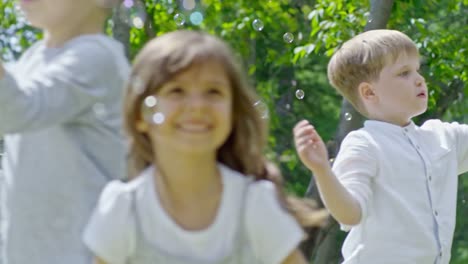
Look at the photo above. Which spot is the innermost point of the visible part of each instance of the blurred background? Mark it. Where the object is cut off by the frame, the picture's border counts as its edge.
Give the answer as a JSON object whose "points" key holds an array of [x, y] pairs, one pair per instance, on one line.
{"points": [[285, 45]]}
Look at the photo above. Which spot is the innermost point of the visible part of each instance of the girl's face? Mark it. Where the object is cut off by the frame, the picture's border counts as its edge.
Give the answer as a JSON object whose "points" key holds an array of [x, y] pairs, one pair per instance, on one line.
{"points": [[193, 110]]}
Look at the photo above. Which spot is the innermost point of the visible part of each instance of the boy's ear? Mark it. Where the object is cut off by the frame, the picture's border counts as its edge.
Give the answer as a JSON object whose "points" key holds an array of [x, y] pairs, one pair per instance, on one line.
{"points": [[366, 91]]}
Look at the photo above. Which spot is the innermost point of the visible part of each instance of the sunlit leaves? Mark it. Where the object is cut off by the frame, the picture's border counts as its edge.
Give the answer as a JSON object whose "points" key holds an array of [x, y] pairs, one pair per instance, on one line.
{"points": [[15, 34]]}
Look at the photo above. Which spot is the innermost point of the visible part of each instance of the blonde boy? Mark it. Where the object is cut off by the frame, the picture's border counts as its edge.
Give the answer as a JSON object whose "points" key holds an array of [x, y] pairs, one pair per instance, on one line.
{"points": [[393, 183], [60, 117]]}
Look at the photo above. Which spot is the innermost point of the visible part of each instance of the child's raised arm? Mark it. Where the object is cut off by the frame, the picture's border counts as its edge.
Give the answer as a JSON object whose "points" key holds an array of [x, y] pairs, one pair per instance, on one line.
{"points": [[60, 92], [313, 153]]}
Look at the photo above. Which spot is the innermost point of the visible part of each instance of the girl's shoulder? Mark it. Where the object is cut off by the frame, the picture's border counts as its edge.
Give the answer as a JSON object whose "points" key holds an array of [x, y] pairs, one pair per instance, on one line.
{"points": [[233, 177], [110, 230], [255, 192], [273, 232], [119, 194], [262, 196]]}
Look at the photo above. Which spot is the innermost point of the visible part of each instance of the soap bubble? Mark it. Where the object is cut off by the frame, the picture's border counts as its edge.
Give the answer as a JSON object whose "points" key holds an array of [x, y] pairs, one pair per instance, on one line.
{"points": [[262, 108], [133, 13], [348, 116], [288, 37], [179, 19], [300, 94], [258, 25]]}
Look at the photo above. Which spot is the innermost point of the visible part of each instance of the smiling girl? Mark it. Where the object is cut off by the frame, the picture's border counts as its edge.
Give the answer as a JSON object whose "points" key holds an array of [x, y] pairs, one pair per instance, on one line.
{"points": [[202, 192]]}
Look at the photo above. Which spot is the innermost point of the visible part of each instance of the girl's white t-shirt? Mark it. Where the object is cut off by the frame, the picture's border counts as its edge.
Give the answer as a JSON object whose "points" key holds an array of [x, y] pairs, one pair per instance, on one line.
{"points": [[272, 232]]}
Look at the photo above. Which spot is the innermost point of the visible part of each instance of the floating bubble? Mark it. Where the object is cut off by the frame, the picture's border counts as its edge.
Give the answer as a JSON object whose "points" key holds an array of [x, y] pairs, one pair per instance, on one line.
{"points": [[262, 108], [189, 4], [258, 25], [196, 18], [179, 19], [288, 106], [288, 37], [294, 83], [147, 108], [150, 101], [158, 118], [133, 13], [138, 22], [348, 116], [300, 94], [128, 3]]}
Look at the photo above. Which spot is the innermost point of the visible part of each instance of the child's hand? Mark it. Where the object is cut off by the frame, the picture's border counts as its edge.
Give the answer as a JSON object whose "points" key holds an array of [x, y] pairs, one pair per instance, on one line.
{"points": [[310, 147]]}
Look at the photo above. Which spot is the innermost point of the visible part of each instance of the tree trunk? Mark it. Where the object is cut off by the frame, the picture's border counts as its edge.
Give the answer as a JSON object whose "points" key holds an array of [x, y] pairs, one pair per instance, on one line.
{"points": [[325, 248], [121, 31]]}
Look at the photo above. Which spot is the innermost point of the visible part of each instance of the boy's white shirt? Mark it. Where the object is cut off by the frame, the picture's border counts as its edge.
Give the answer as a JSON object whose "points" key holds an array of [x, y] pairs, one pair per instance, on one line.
{"points": [[59, 151], [405, 180], [273, 233]]}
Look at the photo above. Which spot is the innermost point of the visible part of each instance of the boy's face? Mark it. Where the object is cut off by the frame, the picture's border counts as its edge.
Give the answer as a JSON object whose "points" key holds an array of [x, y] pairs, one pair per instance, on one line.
{"points": [[400, 91], [47, 14]]}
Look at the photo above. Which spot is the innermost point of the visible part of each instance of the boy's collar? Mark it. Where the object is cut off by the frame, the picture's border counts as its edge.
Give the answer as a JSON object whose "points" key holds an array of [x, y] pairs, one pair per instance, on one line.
{"points": [[389, 126]]}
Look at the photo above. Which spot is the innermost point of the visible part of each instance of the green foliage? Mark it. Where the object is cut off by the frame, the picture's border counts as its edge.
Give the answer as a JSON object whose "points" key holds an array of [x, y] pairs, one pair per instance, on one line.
{"points": [[443, 52], [15, 34]]}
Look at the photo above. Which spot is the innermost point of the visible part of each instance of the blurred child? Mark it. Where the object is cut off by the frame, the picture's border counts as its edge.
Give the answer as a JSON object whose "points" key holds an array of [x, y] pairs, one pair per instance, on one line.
{"points": [[393, 183], [204, 193], [60, 116]]}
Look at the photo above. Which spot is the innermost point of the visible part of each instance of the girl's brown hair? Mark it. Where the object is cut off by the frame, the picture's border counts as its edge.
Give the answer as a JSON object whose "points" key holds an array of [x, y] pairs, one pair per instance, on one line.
{"points": [[166, 56]]}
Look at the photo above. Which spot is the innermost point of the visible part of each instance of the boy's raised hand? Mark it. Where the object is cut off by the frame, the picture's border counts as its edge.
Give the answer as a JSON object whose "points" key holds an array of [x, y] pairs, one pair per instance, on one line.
{"points": [[310, 147]]}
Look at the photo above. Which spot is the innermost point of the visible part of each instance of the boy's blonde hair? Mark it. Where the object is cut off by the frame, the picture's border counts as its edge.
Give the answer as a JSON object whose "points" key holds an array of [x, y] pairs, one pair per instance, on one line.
{"points": [[362, 58]]}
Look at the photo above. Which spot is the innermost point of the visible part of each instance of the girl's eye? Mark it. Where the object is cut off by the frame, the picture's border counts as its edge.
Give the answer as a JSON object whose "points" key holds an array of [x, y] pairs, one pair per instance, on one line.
{"points": [[175, 90], [214, 91]]}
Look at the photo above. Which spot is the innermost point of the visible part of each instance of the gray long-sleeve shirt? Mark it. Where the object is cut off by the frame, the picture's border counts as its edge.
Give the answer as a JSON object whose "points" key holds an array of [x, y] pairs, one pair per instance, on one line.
{"points": [[60, 115]]}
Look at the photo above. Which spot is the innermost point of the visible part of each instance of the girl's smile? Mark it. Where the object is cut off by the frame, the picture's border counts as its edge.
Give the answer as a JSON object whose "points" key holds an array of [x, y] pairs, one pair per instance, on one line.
{"points": [[197, 109]]}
